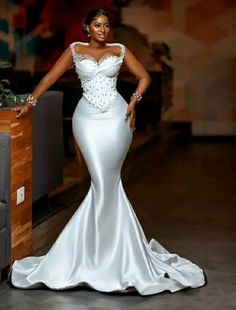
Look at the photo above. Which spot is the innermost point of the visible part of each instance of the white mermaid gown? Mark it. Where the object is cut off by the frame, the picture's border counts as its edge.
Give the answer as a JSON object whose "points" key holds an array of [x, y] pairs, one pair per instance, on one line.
{"points": [[103, 245]]}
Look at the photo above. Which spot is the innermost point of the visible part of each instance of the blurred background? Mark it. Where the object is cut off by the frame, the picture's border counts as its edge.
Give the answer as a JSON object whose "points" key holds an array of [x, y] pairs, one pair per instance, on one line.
{"points": [[188, 45], [180, 172]]}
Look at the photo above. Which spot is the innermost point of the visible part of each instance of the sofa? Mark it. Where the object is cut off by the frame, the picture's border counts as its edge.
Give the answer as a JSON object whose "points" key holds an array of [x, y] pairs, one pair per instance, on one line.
{"points": [[5, 229], [47, 144]]}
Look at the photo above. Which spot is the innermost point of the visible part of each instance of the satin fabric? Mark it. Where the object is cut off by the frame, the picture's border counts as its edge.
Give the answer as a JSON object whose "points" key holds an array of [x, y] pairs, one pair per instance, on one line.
{"points": [[98, 77], [103, 245]]}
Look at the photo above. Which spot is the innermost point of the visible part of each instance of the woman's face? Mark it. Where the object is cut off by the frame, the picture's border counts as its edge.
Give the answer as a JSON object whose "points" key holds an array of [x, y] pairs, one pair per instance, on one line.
{"points": [[99, 28]]}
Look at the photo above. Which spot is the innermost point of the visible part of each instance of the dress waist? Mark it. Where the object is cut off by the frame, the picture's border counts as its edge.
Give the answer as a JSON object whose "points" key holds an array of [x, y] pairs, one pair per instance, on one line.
{"points": [[85, 109], [102, 101], [100, 92]]}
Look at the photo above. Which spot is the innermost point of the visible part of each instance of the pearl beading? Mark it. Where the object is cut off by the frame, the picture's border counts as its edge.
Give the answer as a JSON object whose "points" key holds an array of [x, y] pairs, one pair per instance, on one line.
{"points": [[99, 90], [81, 57]]}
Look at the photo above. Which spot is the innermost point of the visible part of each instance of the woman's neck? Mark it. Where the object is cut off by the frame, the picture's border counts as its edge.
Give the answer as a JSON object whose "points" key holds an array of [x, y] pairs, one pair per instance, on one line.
{"points": [[96, 44]]}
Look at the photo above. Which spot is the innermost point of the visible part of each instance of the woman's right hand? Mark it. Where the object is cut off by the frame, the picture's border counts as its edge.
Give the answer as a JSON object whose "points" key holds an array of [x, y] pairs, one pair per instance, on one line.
{"points": [[22, 110]]}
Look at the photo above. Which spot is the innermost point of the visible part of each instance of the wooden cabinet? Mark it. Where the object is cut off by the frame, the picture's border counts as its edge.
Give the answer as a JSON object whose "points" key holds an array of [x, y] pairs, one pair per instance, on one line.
{"points": [[21, 176]]}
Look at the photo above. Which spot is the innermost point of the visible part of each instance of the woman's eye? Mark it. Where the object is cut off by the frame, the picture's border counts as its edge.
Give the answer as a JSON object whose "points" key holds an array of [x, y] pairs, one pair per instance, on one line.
{"points": [[99, 25]]}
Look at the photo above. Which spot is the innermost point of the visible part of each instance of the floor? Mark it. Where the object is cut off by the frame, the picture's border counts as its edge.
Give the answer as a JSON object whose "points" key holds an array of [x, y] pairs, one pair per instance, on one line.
{"points": [[187, 202]]}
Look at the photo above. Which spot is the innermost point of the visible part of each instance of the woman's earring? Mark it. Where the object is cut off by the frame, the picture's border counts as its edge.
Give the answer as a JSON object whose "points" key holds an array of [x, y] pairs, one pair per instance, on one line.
{"points": [[88, 33]]}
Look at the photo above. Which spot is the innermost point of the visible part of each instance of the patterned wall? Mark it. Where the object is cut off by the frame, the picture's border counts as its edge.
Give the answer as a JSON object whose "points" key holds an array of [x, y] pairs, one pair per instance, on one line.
{"points": [[201, 35], [33, 33], [202, 38]]}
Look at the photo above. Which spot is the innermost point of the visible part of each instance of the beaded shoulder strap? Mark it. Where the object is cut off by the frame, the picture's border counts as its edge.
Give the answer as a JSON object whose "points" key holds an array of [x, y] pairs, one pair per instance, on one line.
{"points": [[122, 50], [73, 52], [72, 46]]}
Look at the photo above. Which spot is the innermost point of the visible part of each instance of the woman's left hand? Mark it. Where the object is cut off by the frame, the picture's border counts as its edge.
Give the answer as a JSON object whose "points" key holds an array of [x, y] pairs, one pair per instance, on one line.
{"points": [[22, 110], [131, 114]]}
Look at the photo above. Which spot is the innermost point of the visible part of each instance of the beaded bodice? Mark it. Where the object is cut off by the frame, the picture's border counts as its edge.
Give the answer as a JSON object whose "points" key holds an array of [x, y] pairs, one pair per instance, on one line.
{"points": [[98, 77]]}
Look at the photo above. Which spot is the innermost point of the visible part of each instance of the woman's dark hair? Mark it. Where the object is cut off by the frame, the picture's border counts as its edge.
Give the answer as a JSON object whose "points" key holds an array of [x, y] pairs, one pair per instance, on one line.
{"points": [[90, 17]]}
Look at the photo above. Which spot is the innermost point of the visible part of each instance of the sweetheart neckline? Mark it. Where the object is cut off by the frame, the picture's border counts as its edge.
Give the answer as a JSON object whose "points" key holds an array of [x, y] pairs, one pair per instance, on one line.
{"points": [[92, 58], [86, 56]]}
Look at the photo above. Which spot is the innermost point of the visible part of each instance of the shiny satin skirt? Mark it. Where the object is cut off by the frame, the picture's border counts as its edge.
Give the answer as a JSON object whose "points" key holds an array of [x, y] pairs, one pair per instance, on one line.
{"points": [[103, 245]]}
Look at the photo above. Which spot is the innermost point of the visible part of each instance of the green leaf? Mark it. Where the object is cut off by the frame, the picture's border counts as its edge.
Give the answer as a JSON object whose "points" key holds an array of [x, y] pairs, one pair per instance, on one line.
{"points": [[5, 64], [7, 90], [5, 81]]}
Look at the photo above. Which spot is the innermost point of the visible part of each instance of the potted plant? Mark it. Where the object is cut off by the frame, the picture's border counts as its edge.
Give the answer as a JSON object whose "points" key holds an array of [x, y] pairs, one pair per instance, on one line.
{"points": [[8, 98]]}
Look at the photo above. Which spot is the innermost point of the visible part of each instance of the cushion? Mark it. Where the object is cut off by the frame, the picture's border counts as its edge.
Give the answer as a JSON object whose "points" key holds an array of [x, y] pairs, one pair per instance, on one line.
{"points": [[2, 215]]}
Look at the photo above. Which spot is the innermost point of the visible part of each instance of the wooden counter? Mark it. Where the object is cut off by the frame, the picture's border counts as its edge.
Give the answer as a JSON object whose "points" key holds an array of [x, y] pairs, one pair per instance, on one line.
{"points": [[21, 175]]}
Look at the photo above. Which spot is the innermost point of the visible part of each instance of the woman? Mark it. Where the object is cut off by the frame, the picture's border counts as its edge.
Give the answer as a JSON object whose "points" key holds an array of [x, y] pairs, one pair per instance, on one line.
{"points": [[103, 245]]}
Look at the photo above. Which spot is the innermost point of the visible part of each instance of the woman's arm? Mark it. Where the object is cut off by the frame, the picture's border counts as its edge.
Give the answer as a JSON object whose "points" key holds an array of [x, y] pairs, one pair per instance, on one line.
{"points": [[143, 78], [63, 63]]}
